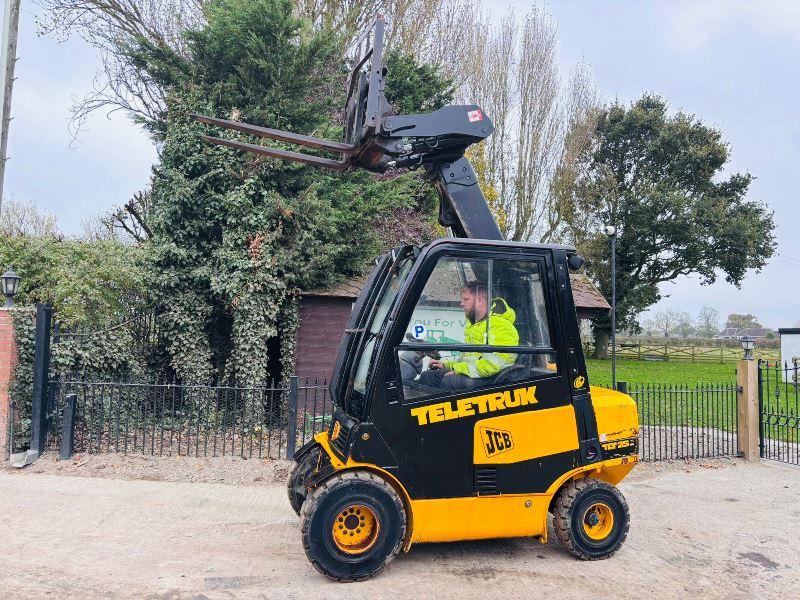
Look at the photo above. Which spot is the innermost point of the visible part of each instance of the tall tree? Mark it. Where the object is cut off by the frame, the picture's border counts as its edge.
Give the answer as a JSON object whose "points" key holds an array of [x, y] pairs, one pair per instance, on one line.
{"points": [[665, 321], [708, 322], [659, 179], [740, 321], [512, 72], [684, 325]]}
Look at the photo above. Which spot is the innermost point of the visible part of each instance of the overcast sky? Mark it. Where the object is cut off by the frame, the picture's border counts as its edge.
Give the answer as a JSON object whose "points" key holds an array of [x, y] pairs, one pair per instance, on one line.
{"points": [[734, 64]]}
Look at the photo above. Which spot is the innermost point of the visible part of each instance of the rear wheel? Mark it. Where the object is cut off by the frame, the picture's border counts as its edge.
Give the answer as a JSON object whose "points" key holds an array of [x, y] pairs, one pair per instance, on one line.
{"points": [[591, 518], [353, 525], [298, 473]]}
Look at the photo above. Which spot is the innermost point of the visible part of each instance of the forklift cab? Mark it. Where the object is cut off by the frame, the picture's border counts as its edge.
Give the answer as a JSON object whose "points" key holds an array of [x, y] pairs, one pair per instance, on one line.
{"points": [[424, 434]]}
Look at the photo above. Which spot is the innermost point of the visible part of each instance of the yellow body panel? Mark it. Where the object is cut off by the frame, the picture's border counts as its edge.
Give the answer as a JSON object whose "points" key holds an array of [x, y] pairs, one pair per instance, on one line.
{"points": [[481, 517], [523, 436], [475, 518], [616, 415]]}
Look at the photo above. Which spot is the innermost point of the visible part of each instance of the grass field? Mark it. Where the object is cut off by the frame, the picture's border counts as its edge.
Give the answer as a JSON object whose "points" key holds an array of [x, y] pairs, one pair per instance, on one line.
{"points": [[643, 371]]}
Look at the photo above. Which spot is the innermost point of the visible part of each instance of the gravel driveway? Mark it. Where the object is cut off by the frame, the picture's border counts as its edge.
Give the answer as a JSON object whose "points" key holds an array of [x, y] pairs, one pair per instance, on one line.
{"points": [[716, 529]]}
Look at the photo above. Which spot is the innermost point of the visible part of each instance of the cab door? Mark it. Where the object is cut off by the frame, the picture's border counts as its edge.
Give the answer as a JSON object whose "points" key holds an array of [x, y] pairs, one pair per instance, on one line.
{"points": [[499, 420]]}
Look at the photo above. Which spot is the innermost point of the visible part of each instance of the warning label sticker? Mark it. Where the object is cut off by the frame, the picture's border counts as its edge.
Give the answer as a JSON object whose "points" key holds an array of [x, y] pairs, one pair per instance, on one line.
{"points": [[475, 115]]}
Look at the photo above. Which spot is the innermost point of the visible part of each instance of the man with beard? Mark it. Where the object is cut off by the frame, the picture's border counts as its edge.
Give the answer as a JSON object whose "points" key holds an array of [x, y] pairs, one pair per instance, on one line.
{"points": [[484, 327]]}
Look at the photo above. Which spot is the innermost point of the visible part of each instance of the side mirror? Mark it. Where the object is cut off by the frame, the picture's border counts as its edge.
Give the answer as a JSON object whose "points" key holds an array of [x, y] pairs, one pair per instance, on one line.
{"points": [[575, 262]]}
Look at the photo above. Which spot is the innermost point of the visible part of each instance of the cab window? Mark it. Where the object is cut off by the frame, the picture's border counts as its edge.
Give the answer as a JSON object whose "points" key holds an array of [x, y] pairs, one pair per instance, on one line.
{"points": [[478, 324]]}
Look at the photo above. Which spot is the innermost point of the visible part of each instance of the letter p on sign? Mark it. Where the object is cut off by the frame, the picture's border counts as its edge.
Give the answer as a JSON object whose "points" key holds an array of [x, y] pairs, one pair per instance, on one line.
{"points": [[419, 331]]}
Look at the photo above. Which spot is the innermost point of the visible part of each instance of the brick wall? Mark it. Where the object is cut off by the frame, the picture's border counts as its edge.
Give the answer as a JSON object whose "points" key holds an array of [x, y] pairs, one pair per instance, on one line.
{"points": [[8, 360]]}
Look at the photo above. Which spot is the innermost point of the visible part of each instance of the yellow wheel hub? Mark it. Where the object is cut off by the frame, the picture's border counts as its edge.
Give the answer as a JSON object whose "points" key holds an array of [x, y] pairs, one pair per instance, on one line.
{"points": [[355, 529], [598, 521]]}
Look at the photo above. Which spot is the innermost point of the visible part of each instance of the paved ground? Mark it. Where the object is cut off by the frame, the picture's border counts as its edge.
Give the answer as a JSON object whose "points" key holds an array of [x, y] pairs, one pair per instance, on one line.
{"points": [[715, 529]]}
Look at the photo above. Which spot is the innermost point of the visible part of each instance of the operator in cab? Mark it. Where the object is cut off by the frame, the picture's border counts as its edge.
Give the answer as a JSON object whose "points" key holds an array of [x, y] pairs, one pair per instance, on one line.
{"points": [[483, 327]]}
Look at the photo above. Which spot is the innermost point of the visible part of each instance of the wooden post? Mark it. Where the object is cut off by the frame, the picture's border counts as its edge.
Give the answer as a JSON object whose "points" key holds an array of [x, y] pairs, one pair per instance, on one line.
{"points": [[747, 409]]}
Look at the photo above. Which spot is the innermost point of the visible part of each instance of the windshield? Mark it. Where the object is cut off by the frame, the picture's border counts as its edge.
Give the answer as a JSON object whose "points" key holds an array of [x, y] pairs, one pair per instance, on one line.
{"points": [[392, 288]]}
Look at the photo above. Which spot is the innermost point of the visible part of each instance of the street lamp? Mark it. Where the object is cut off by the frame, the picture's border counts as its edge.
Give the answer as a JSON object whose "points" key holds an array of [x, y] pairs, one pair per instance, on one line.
{"points": [[748, 344], [10, 286], [611, 232]]}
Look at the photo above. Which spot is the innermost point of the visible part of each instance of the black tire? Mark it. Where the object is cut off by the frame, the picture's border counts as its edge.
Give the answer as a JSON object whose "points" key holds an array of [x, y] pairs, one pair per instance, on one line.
{"points": [[324, 509], [298, 473], [581, 518]]}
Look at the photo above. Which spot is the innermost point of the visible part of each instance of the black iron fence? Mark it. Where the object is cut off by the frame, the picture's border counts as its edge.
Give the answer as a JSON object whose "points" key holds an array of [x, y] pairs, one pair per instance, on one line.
{"points": [[264, 421], [685, 421], [779, 410], [272, 421]]}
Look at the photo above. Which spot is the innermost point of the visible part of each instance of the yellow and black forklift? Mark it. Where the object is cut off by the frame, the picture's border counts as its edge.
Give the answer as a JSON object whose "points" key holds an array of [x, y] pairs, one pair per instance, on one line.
{"points": [[462, 404]]}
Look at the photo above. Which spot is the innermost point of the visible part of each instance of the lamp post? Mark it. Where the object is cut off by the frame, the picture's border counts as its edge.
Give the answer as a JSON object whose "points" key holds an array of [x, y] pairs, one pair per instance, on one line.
{"points": [[10, 286], [748, 344], [611, 232]]}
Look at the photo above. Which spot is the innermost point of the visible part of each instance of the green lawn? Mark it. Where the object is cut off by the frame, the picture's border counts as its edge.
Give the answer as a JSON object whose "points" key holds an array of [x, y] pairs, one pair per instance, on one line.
{"points": [[643, 371], [659, 389]]}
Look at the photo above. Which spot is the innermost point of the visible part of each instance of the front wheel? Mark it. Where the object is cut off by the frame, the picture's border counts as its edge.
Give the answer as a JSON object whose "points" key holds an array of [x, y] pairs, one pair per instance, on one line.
{"points": [[591, 518], [353, 525]]}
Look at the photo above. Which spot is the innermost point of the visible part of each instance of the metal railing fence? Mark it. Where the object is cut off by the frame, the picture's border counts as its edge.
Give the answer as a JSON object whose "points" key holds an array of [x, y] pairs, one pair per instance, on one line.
{"points": [[779, 411], [190, 420], [681, 421]]}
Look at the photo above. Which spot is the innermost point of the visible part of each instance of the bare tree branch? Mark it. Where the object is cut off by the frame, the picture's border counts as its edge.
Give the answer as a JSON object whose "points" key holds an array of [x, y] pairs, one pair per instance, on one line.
{"points": [[111, 26]]}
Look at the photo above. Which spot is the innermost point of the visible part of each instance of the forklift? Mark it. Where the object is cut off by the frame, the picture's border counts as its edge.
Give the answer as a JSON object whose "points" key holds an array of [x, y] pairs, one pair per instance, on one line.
{"points": [[483, 429]]}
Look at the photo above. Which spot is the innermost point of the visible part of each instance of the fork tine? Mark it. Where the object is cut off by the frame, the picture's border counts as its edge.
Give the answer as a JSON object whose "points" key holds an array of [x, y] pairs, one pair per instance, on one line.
{"points": [[278, 134], [317, 161]]}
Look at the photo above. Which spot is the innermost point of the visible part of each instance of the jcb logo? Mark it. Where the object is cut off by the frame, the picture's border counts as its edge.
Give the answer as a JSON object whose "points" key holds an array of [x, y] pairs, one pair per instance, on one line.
{"points": [[496, 441]]}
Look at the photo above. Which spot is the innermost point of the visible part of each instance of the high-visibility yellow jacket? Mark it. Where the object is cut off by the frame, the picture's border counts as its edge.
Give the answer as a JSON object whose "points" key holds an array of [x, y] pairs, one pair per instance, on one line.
{"points": [[501, 333]]}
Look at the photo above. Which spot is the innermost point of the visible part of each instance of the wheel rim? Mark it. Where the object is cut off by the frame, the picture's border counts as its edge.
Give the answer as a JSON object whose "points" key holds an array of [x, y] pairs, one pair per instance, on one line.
{"points": [[598, 521], [355, 529]]}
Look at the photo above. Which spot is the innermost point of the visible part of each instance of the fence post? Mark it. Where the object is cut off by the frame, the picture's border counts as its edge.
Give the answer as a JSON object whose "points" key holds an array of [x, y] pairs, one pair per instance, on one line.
{"points": [[747, 409], [41, 364], [68, 428], [291, 430]]}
